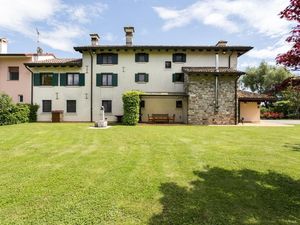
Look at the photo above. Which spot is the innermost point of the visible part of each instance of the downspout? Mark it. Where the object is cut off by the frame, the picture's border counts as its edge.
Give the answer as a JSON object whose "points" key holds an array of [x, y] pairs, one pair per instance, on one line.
{"points": [[92, 61], [237, 105], [217, 84], [31, 97]]}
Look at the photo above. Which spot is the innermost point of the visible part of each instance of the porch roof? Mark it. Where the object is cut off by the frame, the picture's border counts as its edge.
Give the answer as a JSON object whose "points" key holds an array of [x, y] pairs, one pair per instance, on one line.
{"points": [[254, 97], [209, 70], [164, 94]]}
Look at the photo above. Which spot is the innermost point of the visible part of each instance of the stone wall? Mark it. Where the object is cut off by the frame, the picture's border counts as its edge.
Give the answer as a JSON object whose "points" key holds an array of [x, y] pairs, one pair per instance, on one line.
{"points": [[201, 100]]}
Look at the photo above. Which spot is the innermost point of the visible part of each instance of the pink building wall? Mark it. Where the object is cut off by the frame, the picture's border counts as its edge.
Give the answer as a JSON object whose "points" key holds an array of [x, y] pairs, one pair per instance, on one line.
{"points": [[16, 87]]}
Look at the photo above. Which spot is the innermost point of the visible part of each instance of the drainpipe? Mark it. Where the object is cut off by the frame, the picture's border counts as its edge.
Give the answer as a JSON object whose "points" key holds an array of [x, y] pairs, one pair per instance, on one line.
{"points": [[217, 84], [31, 97], [92, 61], [237, 105]]}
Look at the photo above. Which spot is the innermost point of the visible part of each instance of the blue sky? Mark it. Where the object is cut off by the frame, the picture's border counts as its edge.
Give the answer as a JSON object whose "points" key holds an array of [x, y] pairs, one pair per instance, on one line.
{"points": [[67, 23]]}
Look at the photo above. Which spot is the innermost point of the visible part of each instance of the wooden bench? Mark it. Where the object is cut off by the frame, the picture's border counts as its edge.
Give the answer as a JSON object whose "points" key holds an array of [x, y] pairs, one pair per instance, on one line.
{"points": [[161, 118]]}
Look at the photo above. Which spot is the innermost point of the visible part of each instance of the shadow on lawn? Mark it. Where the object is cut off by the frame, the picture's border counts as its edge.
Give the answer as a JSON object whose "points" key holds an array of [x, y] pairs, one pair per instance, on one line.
{"points": [[222, 196], [293, 147]]}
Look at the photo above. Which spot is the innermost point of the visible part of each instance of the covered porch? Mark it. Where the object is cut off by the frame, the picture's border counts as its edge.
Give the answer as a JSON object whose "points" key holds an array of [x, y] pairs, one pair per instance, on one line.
{"points": [[163, 107]]}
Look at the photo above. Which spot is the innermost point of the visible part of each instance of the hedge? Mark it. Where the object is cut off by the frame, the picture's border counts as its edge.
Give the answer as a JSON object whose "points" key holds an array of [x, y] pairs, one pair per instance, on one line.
{"points": [[33, 112], [11, 113], [131, 106]]}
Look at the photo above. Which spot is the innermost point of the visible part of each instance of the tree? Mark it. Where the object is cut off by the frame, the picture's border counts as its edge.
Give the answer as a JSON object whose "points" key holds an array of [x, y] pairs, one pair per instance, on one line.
{"points": [[262, 79], [292, 96], [291, 58]]}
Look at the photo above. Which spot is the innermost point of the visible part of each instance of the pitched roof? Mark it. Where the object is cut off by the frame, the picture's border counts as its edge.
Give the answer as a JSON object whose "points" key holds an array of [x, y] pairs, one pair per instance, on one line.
{"points": [[25, 54], [222, 70], [240, 49], [289, 82], [251, 96], [56, 62]]}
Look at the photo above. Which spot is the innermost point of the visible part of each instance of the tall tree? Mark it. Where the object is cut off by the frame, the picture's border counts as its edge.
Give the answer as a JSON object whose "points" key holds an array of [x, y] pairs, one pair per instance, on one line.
{"points": [[291, 58], [262, 79]]}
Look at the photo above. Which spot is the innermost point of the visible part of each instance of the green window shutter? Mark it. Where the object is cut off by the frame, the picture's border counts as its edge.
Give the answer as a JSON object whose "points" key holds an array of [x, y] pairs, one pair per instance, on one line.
{"points": [[147, 57], [183, 57], [174, 77], [146, 77], [81, 79], [174, 57], [99, 59], [55, 79], [136, 77], [136, 57], [114, 80], [98, 79], [36, 79], [63, 79], [115, 58]]}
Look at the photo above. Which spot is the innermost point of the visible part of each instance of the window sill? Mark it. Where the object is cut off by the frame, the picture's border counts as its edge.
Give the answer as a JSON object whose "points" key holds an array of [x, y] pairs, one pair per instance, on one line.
{"points": [[107, 86], [179, 62], [141, 82], [142, 62], [106, 64], [178, 82]]}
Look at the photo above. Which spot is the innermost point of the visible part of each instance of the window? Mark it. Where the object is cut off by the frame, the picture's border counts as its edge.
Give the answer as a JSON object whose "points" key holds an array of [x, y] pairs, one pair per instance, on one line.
{"points": [[107, 58], [142, 57], [107, 106], [20, 97], [71, 106], [142, 104], [13, 73], [179, 57], [73, 79], [46, 79], [107, 79], [141, 77], [178, 77], [179, 104], [47, 106], [168, 64]]}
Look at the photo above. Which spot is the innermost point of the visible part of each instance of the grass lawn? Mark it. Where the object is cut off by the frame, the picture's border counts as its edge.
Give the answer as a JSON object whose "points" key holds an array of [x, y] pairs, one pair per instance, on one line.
{"points": [[68, 174]]}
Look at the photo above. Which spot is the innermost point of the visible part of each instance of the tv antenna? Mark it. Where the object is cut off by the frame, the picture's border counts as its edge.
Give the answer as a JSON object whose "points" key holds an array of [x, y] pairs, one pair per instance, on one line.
{"points": [[39, 50]]}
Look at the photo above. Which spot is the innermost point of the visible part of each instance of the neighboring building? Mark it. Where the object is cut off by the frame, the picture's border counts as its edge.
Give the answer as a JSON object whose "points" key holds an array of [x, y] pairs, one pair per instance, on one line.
{"points": [[249, 105], [15, 78], [197, 84]]}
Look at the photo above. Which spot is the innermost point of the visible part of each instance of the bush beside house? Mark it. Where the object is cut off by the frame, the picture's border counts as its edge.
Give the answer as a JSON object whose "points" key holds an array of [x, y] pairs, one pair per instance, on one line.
{"points": [[11, 113], [131, 106]]}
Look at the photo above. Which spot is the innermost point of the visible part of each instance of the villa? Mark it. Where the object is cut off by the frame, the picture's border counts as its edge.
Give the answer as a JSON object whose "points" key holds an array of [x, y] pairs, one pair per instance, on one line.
{"points": [[192, 84]]}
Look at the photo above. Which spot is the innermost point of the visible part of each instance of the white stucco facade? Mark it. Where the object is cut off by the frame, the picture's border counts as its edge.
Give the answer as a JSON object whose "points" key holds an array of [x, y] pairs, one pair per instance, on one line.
{"points": [[160, 80]]}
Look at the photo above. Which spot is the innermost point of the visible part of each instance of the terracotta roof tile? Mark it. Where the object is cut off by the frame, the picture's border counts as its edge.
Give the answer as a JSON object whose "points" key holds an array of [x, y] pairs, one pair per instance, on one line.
{"points": [[58, 62], [251, 96]]}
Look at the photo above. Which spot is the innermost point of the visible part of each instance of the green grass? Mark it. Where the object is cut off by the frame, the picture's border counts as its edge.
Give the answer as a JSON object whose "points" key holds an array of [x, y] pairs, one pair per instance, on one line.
{"points": [[69, 174]]}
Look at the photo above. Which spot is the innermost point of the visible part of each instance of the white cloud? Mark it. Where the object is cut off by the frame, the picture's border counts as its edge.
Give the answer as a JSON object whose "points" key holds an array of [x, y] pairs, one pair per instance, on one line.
{"points": [[230, 15], [109, 37], [59, 24], [270, 52]]}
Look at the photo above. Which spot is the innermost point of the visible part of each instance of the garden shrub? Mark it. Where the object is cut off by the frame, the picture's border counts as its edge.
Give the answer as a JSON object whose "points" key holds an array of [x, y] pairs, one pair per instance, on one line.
{"points": [[11, 113], [131, 106], [33, 108]]}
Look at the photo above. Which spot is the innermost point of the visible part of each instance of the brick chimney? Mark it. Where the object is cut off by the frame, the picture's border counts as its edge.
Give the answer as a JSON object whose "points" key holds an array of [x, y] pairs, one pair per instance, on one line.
{"points": [[221, 43], [94, 39], [129, 35], [3, 45]]}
